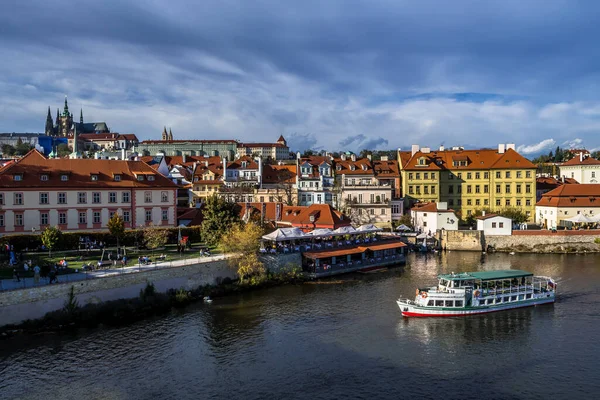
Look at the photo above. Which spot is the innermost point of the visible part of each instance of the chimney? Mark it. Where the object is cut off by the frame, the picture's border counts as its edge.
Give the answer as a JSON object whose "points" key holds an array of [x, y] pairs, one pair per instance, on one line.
{"points": [[369, 157], [225, 168], [384, 158], [510, 146], [442, 148], [343, 156], [414, 149], [501, 148], [353, 157], [184, 157], [425, 150], [298, 155], [205, 163], [581, 156], [483, 213], [442, 205]]}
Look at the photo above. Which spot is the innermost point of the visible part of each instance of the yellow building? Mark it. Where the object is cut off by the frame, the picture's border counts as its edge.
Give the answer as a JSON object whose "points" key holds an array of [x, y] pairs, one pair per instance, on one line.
{"points": [[206, 179], [469, 180]]}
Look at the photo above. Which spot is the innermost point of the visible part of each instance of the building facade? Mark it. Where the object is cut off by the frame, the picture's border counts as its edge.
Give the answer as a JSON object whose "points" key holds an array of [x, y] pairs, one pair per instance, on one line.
{"points": [[469, 180], [274, 151], [567, 201], [429, 217], [582, 168], [78, 194], [496, 225]]}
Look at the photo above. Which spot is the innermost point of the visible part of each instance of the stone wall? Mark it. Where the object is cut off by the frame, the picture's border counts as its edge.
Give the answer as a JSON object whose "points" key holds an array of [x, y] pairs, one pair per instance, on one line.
{"points": [[461, 240], [544, 243], [19, 305]]}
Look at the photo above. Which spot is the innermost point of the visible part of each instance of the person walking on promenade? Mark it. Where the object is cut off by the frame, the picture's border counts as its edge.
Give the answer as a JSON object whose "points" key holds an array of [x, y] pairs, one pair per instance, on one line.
{"points": [[16, 275], [36, 274]]}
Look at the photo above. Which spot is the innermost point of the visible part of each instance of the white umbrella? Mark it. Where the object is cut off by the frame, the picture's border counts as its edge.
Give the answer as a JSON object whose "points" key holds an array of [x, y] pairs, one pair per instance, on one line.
{"points": [[594, 218], [368, 228], [321, 232], [403, 228], [344, 230], [579, 218], [282, 234], [422, 236]]}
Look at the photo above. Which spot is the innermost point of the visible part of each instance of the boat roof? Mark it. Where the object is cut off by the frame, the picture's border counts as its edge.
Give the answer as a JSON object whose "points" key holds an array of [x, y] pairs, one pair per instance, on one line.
{"points": [[487, 275]]}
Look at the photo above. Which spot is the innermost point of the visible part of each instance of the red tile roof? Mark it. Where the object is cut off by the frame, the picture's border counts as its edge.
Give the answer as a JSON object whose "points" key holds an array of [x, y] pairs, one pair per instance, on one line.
{"points": [[279, 174], [476, 159], [428, 207], [362, 166], [575, 161], [581, 195], [34, 164]]}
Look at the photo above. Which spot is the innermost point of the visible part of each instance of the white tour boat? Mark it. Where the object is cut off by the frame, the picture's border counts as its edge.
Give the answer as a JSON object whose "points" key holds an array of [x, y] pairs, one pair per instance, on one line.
{"points": [[471, 293]]}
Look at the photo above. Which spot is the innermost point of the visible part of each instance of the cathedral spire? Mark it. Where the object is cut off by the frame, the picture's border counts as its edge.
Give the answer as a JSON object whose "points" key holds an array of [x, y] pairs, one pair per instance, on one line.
{"points": [[66, 109], [49, 124], [170, 135], [164, 133], [81, 117]]}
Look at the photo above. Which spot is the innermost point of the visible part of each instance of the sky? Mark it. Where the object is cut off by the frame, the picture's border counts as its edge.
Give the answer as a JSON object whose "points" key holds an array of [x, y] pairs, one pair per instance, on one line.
{"points": [[335, 74]]}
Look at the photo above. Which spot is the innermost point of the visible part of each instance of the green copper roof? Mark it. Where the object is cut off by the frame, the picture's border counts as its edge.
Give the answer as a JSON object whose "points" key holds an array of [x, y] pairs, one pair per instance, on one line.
{"points": [[487, 275]]}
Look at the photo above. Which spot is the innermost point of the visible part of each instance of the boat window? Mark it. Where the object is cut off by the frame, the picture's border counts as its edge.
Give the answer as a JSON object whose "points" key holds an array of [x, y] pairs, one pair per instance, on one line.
{"points": [[513, 298], [521, 297], [449, 303], [458, 303], [528, 296], [500, 300], [443, 282], [439, 303], [430, 303], [489, 301]]}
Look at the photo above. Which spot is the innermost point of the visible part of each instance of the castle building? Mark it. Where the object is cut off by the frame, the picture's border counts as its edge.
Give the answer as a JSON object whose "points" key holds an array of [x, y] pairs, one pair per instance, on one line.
{"points": [[64, 125]]}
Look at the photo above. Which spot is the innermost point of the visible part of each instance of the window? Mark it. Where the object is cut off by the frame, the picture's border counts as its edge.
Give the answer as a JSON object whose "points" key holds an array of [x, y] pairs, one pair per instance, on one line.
{"points": [[493, 225], [469, 189], [498, 189], [477, 189], [518, 188], [1, 198], [458, 303], [477, 175], [112, 197], [44, 218], [507, 189], [96, 217], [117, 178], [18, 177], [500, 224], [518, 202], [418, 175], [486, 175], [125, 197], [94, 177], [150, 177], [486, 189], [469, 175], [507, 174], [148, 197], [451, 189], [507, 203], [83, 217], [410, 175], [140, 177], [395, 209], [439, 303], [18, 219], [425, 189], [1, 219], [450, 175], [459, 202], [62, 218], [410, 190], [450, 202], [418, 189], [528, 174], [527, 202], [485, 202], [468, 211], [44, 177], [498, 202], [477, 202], [433, 190], [519, 174], [148, 215], [44, 198], [425, 175], [81, 197], [593, 174], [498, 175], [469, 202], [64, 177], [61, 198], [372, 211], [165, 215], [96, 197], [448, 303], [527, 188], [459, 189], [433, 175], [459, 175], [18, 199]]}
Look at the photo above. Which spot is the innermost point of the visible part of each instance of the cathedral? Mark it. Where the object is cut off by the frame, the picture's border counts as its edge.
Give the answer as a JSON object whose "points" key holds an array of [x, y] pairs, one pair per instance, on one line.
{"points": [[64, 126]]}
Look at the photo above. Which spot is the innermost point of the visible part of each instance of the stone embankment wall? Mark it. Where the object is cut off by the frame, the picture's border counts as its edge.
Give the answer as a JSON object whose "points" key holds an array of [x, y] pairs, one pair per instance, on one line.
{"points": [[19, 305], [546, 242], [461, 240]]}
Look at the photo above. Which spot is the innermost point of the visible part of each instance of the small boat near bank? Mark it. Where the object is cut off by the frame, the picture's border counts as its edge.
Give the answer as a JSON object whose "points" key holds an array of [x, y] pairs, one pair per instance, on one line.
{"points": [[470, 293]]}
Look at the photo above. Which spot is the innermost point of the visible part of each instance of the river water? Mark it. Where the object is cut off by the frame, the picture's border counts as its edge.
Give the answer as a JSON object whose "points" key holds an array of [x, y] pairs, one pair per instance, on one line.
{"points": [[342, 339]]}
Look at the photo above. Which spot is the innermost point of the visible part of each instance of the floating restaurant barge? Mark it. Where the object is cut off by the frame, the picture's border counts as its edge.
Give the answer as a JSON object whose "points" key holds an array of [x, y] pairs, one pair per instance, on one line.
{"points": [[471, 293], [360, 257]]}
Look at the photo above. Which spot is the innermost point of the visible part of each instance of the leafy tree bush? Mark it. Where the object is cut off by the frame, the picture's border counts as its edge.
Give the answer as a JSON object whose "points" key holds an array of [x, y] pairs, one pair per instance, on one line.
{"points": [[116, 227], [219, 216], [244, 241], [51, 237]]}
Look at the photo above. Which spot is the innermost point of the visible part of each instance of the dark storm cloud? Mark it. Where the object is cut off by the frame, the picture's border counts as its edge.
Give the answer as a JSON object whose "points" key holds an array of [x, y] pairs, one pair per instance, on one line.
{"points": [[407, 70]]}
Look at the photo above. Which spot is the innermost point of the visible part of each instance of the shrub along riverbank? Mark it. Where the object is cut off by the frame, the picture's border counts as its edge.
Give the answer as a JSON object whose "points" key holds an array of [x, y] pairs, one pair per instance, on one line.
{"points": [[148, 304]]}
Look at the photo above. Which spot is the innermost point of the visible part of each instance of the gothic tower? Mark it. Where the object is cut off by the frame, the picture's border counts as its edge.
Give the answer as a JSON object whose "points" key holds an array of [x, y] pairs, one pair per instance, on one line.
{"points": [[66, 121], [49, 131], [164, 134], [81, 117], [170, 135]]}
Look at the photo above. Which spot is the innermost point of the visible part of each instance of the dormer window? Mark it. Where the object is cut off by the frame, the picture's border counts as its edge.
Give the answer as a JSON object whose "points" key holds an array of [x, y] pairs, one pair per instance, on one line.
{"points": [[422, 161], [44, 177], [338, 167], [244, 164], [64, 177], [18, 177], [94, 177], [364, 167], [150, 177], [352, 167], [140, 178], [117, 178]]}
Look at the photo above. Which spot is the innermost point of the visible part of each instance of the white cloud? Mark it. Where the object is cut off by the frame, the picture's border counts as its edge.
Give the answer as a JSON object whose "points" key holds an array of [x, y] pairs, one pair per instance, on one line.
{"points": [[536, 148], [574, 143]]}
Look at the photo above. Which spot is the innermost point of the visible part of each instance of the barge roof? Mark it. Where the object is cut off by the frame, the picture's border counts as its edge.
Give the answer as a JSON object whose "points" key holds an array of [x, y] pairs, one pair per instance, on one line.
{"points": [[487, 275]]}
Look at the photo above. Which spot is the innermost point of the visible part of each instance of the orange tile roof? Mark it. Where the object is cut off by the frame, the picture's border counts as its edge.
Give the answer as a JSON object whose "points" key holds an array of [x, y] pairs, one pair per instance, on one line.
{"points": [[354, 250], [362, 166], [280, 173], [581, 195], [236, 164], [428, 207], [385, 246], [386, 169], [325, 216], [34, 164], [575, 161], [476, 159]]}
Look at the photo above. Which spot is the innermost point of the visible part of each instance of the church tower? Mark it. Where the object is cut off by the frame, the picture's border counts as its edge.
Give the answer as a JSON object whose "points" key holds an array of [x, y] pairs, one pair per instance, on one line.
{"points": [[49, 131], [164, 134], [81, 117], [66, 121], [170, 135]]}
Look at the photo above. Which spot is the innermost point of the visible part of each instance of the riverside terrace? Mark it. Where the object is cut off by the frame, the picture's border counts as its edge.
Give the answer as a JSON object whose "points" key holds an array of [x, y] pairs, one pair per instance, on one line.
{"points": [[325, 252]]}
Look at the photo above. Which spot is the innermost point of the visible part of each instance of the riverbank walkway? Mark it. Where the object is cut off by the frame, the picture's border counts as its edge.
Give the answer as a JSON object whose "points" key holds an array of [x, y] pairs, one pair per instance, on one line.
{"points": [[24, 283]]}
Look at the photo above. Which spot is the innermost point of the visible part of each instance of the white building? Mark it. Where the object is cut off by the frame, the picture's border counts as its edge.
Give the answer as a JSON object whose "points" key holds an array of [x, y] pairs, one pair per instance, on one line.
{"points": [[496, 225], [582, 168], [315, 180], [82, 194], [276, 151], [429, 217], [566, 202]]}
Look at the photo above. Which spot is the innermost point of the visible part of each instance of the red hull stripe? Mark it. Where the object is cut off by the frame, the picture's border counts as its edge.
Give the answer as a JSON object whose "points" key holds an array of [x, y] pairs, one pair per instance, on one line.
{"points": [[415, 314]]}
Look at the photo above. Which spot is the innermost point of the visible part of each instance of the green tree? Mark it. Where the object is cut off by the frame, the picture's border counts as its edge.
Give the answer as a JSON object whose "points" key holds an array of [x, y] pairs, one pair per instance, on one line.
{"points": [[63, 150], [471, 219], [8, 150], [406, 219], [517, 215], [51, 237], [22, 148], [155, 237], [243, 241], [116, 227], [219, 216]]}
